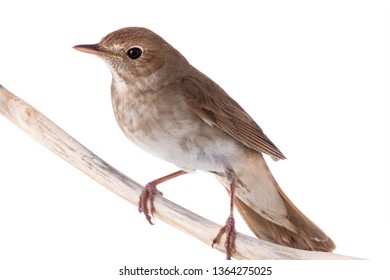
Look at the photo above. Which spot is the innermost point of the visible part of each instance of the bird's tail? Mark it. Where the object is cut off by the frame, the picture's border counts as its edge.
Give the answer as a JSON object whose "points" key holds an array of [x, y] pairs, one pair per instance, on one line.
{"points": [[271, 215]]}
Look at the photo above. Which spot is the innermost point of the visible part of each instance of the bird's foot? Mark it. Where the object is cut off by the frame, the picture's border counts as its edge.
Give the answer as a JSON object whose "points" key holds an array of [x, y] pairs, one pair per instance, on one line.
{"points": [[148, 195], [230, 231], [150, 190]]}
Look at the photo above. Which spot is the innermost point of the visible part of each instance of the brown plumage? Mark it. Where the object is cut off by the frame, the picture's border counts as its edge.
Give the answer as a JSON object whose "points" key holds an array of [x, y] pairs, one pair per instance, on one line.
{"points": [[215, 107], [170, 109]]}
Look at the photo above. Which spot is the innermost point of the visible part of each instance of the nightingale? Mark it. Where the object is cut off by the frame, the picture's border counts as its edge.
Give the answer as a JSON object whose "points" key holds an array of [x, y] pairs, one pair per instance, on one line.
{"points": [[173, 111]]}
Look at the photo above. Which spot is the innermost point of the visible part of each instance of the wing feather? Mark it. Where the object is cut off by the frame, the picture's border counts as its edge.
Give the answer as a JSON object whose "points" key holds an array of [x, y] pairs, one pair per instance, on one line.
{"points": [[215, 107]]}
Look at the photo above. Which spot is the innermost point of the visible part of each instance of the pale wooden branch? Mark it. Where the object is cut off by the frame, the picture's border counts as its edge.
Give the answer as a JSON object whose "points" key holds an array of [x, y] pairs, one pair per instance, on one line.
{"points": [[62, 144]]}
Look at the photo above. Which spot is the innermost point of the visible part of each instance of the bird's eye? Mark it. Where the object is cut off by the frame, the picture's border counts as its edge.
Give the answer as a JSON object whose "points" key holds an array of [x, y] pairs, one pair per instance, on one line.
{"points": [[134, 53]]}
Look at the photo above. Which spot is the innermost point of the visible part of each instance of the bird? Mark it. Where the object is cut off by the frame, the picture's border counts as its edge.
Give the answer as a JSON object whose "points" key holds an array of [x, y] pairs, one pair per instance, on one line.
{"points": [[173, 111]]}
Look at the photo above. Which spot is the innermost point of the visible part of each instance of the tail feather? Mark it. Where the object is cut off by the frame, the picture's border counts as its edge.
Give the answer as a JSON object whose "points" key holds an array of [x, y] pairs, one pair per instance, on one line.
{"points": [[270, 214], [269, 231]]}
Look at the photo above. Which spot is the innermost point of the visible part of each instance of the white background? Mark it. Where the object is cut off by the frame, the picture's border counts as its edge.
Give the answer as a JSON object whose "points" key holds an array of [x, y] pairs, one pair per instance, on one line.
{"points": [[314, 76]]}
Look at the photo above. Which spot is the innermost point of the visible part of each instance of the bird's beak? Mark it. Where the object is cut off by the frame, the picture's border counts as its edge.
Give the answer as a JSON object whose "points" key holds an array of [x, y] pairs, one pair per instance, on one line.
{"points": [[96, 50]]}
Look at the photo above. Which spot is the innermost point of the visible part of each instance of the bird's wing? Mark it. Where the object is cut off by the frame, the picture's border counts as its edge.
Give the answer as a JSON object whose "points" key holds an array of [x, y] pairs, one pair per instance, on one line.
{"points": [[215, 107]]}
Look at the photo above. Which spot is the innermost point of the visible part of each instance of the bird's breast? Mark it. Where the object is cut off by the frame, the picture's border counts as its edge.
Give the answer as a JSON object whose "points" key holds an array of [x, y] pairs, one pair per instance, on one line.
{"points": [[163, 125]]}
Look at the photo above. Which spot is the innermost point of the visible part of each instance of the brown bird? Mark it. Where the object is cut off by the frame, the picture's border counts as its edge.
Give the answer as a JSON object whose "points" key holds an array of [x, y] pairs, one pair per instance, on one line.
{"points": [[173, 111]]}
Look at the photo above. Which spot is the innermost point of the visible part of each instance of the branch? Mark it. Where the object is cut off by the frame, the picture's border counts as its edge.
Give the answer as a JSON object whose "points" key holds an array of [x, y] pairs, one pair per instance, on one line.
{"points": [[62, 144]]}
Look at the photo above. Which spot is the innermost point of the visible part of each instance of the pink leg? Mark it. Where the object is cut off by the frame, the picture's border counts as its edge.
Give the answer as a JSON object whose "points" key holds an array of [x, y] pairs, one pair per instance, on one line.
{"points": [[150, 190], [229, 227]]}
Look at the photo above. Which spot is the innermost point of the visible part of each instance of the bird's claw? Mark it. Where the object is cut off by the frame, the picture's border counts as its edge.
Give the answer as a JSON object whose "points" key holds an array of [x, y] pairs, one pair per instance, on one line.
{"points": [[147, 194], [229, 229]]}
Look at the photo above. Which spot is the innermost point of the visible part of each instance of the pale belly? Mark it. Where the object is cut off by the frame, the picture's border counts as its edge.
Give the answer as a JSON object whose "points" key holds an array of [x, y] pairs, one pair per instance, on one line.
{"points": [[197, 147]]}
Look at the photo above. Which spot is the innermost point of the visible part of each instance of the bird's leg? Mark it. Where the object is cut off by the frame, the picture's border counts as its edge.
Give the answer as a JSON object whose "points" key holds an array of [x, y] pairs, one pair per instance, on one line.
{"points": [[150, 190], [229, 227]]}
